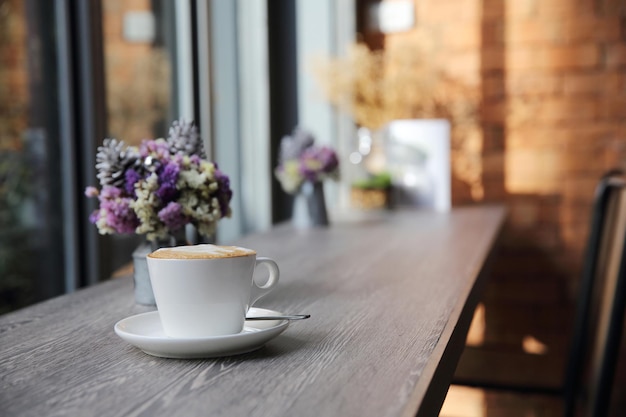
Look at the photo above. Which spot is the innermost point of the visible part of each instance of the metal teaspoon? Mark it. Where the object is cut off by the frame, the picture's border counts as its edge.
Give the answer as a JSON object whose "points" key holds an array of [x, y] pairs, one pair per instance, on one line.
{"points": [[286, 317]]}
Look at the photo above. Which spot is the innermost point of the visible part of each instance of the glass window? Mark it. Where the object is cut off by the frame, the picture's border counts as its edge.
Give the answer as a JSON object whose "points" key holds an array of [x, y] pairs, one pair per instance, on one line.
{"points": [[36, 173], [51, 118], [31, 220], [137, 70]]}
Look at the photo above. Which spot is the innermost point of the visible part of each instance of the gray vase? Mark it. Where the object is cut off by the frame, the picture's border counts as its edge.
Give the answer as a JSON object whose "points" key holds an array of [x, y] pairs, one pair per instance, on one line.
{"points": [[309, 206], [141, 277]]}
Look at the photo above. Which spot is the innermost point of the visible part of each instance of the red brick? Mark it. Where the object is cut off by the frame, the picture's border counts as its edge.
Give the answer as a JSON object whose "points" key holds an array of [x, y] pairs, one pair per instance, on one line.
{"points": [[615, 154], [577, 190], [564, 8], [494, 190], [492, 33], [493, 58], [516, 9], [610, 7], [523, 214], [582, 135], [575, 213], [544, 238], [493, 87], [614, 109], [463, 65], [553, 57], [589, 28], [462, 35], [527, 171], [574, 236], [534, 31], [589, 161], [616, 56], [436, 11], [534, 83], [584, 83], [537, 138], [550, 111], [493, 112], [614, 82], [493, 165]]}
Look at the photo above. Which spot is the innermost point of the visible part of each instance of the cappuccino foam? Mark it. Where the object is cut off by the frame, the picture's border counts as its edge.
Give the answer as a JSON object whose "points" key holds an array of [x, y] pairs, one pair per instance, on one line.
{"points": [[203, 251]]}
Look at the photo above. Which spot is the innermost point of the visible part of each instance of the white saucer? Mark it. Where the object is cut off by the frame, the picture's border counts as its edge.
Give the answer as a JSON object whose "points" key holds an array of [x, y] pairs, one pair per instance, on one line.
{"points": [[145, 332]]}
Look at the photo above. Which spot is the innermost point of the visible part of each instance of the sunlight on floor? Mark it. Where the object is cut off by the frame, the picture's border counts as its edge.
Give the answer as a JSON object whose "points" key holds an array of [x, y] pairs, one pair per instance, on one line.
{"points": [[534, 346], [476, 333], [464, 402]]}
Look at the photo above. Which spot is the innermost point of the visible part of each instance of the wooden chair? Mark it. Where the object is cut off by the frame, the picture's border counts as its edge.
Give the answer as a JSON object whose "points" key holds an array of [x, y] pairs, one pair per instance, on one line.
{"points": [[599, 319], [600, 307]]}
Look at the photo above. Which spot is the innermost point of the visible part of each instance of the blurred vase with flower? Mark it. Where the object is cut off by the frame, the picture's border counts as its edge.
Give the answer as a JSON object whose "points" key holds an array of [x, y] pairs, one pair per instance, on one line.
{"points": [[158, 189], [302, 168]]}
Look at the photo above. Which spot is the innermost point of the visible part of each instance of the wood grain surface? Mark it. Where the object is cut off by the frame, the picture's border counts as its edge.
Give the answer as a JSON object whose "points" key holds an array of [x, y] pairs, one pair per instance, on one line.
{"points": [[390, 298]]}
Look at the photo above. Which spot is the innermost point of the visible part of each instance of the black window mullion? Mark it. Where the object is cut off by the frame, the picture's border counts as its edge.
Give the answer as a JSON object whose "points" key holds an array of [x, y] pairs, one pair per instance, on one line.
{"points": [[83, 114]]}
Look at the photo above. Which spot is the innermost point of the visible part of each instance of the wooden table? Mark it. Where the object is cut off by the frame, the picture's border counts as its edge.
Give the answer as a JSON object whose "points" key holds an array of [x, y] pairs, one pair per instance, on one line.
{"points": [[391, 297]]}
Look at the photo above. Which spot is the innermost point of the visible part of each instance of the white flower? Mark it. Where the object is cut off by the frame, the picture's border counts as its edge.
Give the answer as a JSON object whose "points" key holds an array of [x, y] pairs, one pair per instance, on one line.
{"points": [[289, 176], [191, 179]]}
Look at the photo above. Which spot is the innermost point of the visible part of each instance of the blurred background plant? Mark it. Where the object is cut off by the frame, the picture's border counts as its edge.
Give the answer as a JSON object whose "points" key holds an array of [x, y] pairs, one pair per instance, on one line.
{"points": [[405, 81], [16, 178], [376, 87], [16, 250]]}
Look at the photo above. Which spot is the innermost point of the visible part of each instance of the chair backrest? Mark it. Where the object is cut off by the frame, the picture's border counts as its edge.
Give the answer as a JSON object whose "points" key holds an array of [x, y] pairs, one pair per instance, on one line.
{"points": [[600, 305]]}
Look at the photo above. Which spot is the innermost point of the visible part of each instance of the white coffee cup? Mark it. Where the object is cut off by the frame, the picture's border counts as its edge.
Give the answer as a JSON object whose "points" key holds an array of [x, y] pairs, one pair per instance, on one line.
{"points": [[206, 290]]}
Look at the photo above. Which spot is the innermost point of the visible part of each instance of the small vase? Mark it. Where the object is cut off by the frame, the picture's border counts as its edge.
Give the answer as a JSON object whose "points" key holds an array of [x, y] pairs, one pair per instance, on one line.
{"points": [[141, 277], [309, 206]]}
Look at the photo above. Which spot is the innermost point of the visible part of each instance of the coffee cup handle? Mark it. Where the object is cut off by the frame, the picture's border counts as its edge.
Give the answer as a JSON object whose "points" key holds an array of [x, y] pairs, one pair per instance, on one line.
{"points": [[259, 291]]}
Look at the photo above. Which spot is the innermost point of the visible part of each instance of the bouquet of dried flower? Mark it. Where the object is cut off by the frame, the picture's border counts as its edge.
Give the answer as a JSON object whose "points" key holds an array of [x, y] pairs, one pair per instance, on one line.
{"points": [[406, 81], [159, 187], [376, 87], [300, 160]]}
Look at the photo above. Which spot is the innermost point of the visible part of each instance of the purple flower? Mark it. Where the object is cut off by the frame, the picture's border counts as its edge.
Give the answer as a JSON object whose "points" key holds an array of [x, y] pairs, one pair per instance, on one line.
{"points": [[195, 159], [224, 193], [119, 215], [115, 210], [172, 216], [167, 179], [131, 177], [329, 159], [151, 148], [109, 193], [91, 191], [93, 217], [314, 162]]}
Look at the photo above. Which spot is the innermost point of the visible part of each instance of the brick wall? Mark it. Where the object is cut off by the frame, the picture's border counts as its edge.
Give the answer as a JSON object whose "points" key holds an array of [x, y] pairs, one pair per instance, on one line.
{"points": [[13, 74], [553, 79]]}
